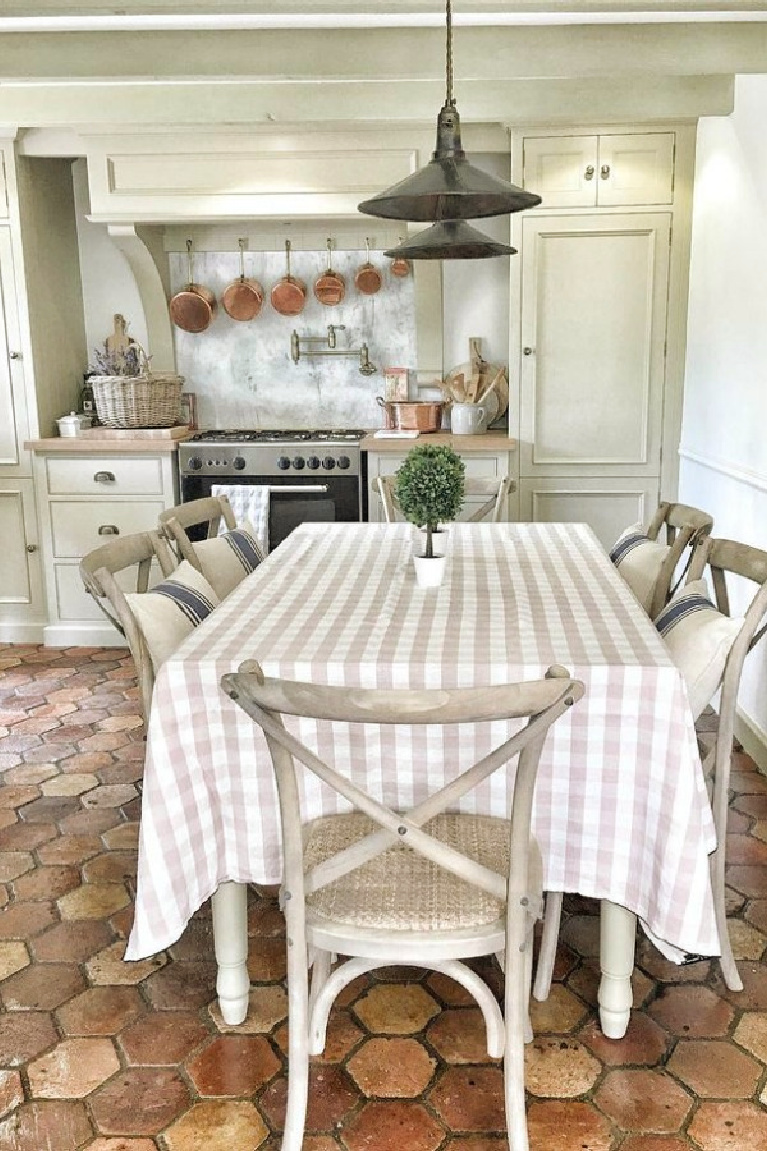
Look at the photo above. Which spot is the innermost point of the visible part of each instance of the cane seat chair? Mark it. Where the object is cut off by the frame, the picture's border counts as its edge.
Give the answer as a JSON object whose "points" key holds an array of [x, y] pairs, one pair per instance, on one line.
{"points": [[204, 515], [129, 559], [193, 531], [495, 493], [426, 886]]}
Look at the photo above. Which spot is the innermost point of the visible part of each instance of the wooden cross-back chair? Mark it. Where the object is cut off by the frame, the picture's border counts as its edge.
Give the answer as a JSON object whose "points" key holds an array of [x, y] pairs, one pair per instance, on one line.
{"points": [[495, 491], [682, 527], [425, 886], [98, 571], [205, 514]]}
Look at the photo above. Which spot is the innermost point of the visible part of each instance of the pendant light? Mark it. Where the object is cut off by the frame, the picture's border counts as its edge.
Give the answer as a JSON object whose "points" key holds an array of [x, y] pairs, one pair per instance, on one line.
{"points": [[449, 188], [450, 240]]}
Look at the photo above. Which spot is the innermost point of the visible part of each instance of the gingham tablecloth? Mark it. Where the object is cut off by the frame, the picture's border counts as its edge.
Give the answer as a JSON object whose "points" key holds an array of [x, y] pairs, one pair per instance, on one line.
{"points": [[621, 810]]}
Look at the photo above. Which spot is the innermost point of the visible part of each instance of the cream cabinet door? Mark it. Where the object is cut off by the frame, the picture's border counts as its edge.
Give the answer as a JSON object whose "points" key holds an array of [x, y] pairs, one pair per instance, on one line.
{"points": [[618, 170], [607, 506], [593, 344], [561, 169], [12, 408], [21, 590]]}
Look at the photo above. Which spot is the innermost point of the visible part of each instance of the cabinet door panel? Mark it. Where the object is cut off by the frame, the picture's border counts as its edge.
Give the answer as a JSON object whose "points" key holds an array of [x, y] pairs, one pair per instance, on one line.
{"points": [[20, 574], [9, 341], [593, 320], [561, 169], [606, 506], [640, 169]]}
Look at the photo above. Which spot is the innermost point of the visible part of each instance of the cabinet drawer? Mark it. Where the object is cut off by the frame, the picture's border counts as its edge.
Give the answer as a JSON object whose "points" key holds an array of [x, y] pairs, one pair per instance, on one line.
{"points": [[79, 476], [480, 467], [75, 523]]}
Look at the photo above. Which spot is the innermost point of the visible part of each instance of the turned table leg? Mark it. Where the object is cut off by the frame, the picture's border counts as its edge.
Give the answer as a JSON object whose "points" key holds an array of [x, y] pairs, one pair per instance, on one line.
{"points": [[230, 938]]}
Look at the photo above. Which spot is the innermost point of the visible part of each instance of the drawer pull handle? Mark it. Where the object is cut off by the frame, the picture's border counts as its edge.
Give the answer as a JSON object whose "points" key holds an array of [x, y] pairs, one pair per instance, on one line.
{"points": [[104, 477], [109, 530]]}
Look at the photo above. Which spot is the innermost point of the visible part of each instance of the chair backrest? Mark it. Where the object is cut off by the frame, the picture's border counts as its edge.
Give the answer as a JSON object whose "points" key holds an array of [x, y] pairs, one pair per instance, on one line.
{"points": [[266, 701], [98, 570], [496, 492], [208, 512], [683, 527]]}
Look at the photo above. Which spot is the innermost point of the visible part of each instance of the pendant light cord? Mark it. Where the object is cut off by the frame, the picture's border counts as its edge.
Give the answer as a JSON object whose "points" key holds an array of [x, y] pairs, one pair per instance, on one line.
{"points": [[449, 99]]}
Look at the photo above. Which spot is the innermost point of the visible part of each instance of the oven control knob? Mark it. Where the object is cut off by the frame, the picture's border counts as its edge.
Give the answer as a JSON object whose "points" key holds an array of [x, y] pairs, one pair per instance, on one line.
{"points": [[328, 463], [283, 463], [298, 463], [194, 463], [238, 463], [343, 462], [313, 462]]}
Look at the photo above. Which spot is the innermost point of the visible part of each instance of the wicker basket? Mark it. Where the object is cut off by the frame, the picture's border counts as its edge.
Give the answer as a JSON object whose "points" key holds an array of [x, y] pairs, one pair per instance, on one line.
{"points": [[150, 400]]}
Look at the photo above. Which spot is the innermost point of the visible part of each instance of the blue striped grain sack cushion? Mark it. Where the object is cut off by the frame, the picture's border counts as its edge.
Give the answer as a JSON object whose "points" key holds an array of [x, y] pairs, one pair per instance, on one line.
{"points": [[226, 560], [639, 561], [699, 639], [171, 610]]}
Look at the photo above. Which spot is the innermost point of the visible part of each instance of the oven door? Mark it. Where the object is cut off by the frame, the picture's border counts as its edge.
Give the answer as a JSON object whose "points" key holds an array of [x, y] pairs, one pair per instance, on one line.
{"points": [[293, 500]]}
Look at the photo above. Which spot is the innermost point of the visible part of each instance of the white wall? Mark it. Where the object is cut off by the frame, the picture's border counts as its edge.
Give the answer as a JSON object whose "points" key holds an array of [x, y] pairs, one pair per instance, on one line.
{"points": [[724, 446]]}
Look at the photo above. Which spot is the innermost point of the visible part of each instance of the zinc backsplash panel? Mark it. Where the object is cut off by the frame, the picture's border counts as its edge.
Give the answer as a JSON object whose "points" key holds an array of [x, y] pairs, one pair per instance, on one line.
{"points": [[242, 372]]}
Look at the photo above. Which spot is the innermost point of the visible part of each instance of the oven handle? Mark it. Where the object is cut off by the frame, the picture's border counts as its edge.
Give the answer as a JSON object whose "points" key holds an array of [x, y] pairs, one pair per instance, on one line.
{"points": [[279, 488]]}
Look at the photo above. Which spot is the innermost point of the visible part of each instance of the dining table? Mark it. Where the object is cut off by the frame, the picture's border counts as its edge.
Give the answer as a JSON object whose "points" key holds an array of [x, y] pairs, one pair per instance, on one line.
{"points": [[621, 810]]}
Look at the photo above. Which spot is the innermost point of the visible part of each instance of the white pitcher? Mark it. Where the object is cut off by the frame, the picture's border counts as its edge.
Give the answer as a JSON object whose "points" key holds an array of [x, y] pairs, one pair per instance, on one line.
{"points": [[468, 419]]}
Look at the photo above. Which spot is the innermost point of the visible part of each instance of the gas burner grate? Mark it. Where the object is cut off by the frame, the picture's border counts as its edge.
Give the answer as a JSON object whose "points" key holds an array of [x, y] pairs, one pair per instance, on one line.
{"points": [[274, 435]]}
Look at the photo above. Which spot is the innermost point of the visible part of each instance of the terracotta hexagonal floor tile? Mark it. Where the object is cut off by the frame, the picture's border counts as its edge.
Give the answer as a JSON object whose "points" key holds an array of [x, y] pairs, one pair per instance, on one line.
{"points": [[46, 883], [73, 1069], [384, 1126], [746, 941], [25, 920], [13, 864], [92, 822], [655, 1143], [643, 1043], [470, 1099], [71, 942], [13, 957], [658, 967], [751, 1033], [332, 1095], [93, 901], [104, 1143], [182, 985], [267, 959], [459, 1035], [714, 1070], [70, 784], [452, 994], [214, 1126], [62, 1125], [559, 1069], [267, 1006], [391, 1068], [109, 966], [124, 837], [162, 1037], [11, 1091], [553, 1125], [69, 849], [729, 1127], [233, 1065], [695, 1011], [26, 836], [139, 1101], [341, 1036], [561, 1012], [42, 987], [101, 1011], [396, 1008], [23, 1035], [643, 1101]]}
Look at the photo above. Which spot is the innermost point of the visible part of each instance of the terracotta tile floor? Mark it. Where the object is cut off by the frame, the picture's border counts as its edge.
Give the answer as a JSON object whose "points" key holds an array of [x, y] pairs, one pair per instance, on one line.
{"points": [[99, 1054]]}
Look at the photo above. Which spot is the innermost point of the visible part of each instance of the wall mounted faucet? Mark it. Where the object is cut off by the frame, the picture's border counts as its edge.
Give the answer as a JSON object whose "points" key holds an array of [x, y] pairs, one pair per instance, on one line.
{"points": [[329, 348]]}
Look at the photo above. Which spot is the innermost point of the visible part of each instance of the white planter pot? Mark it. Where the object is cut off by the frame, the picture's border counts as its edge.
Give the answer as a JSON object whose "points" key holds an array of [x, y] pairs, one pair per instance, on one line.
{"points": [[429, 572], [438, 541]]}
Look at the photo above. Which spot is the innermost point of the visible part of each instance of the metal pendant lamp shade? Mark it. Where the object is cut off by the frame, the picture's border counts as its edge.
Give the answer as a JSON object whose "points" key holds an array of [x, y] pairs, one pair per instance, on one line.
{"points": [[450, 240], [449, 189]]}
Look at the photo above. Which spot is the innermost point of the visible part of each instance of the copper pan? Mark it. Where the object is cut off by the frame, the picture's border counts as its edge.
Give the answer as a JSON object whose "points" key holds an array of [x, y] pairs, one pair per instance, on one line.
{"points": [[288, 295], [193, 308], [329, 288], [400, 265], [244, 298], [368, 278]]}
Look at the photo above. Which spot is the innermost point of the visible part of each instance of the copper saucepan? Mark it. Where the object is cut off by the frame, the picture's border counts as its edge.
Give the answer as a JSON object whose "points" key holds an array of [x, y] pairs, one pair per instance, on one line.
{"points": [[412, 415], [193, 308], [288, 295], [368, 278], [400, 265], [329, 288], [244, 297]]}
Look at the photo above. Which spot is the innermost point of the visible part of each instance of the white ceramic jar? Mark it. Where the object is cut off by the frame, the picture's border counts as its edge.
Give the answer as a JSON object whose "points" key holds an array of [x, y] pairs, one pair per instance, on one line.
{"points": [[69, 425], [468, 419]]}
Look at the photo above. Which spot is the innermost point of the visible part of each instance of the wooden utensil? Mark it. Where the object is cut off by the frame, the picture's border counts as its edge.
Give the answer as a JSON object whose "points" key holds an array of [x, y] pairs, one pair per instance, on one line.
{"points": [[192, 309], [244, 298], [368, 278], [329, 288], [475, 358], [288, 295]]}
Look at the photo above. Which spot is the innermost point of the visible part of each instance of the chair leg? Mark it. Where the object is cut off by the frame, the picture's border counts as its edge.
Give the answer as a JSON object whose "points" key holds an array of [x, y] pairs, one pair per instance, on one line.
{"points": [[727, 959], [548, 951], [298, 1047], [516, 1017]]}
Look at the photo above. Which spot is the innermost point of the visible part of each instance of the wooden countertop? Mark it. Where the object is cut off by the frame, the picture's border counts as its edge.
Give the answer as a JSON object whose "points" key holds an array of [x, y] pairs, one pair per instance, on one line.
{"points": [[485, 442], [91, 446]]}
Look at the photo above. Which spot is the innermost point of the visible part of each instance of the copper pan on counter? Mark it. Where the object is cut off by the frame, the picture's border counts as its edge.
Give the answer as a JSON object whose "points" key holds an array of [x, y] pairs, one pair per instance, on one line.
{"points": [[193, 308], [288, 295], [412, 415]]}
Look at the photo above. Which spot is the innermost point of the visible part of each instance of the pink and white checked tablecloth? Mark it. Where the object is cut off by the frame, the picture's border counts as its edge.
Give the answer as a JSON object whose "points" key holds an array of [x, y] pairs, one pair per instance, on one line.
{"points": [[621, 810]]}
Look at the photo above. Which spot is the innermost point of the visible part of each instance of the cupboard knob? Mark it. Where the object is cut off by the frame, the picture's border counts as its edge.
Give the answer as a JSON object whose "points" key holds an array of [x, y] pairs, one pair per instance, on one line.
{"points": [[604, 171], [527, 351], [109, 530], [589, 173], [15, 355], [31, 548]]}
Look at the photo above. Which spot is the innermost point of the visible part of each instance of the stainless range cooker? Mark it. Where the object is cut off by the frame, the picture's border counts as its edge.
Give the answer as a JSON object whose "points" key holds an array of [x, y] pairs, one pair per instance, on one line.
{"points": [[311, 476]]}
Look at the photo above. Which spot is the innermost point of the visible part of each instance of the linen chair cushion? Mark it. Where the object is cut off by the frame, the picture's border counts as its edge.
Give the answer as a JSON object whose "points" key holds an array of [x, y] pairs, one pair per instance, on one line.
{"points": [[699, 639], [639, 561], [171, 610], [228, 558]]}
